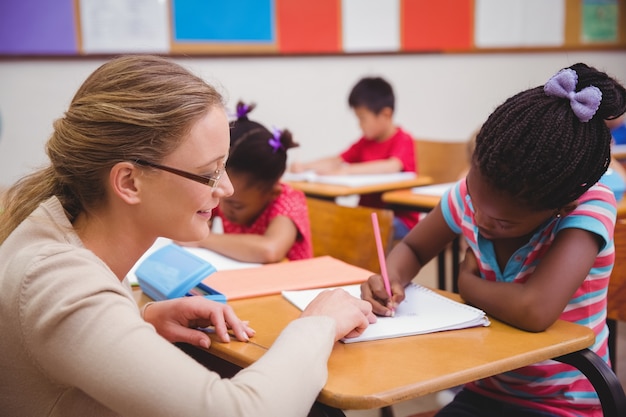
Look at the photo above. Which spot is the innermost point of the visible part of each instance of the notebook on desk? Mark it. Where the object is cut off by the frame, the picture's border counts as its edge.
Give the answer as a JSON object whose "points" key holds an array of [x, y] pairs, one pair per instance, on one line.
{"points": [[349, 180], [422, 311]]}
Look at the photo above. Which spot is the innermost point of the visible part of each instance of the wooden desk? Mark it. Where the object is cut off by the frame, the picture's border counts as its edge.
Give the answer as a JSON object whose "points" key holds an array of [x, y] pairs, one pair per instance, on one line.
{"points": [[381, 373], [422, 202], [426, 202], [330, 191]]}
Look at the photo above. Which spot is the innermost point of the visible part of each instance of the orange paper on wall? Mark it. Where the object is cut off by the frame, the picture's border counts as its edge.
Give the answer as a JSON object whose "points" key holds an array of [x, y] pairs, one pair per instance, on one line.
{"points": [[437, 25], [320, 272]]}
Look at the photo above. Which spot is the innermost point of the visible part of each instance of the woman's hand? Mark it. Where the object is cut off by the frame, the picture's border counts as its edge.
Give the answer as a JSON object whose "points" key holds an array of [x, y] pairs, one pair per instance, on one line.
{"points": [[178, 320], [351, 315], [373, 290]]}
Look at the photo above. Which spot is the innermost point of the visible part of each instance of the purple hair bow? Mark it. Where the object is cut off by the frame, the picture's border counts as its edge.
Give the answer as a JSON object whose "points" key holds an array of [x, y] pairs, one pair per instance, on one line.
{"points": [[585, 103], [242, 110], [274, 141]]}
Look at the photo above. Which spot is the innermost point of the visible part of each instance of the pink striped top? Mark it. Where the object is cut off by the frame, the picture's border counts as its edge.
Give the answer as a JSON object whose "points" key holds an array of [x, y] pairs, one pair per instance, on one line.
{"points": [[551, 386]]}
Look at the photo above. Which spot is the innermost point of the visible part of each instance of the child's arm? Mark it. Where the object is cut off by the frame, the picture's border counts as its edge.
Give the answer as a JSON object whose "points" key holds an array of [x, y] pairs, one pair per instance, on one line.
{"points": [[540, 301], [270, 247], [429, 237]]}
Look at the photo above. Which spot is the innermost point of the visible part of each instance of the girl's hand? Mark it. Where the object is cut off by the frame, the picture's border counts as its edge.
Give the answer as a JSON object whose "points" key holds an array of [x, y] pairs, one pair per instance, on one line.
{"points": [[178, 320], [373, 290], [351, 315]]}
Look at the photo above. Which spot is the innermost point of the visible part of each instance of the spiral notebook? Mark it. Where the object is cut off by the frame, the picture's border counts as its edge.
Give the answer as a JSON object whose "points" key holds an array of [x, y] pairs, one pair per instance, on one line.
{"points": [[422, 311]]}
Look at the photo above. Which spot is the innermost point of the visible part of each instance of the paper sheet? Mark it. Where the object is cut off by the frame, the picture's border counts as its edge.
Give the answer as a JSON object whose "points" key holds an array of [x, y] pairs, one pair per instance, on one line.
{"points": [[319, 272]]}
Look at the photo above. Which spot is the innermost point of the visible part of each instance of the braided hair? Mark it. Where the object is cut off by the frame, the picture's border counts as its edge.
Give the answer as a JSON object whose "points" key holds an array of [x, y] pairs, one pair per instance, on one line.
{"points": [[256, 151], [536, 149]]}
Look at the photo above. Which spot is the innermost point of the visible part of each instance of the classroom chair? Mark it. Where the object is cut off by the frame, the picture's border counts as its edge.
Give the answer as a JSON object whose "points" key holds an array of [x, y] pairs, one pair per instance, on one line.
{"points": [[616, 298], [443, 161], [346, 233]]}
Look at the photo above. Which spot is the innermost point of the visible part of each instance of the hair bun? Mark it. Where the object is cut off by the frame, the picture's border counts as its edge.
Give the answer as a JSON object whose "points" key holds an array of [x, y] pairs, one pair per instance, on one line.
{"points": [[243, 109]]}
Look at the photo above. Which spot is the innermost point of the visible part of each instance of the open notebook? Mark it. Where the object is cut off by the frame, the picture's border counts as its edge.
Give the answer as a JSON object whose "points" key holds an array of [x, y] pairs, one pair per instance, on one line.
{"points": [[422, 311]]}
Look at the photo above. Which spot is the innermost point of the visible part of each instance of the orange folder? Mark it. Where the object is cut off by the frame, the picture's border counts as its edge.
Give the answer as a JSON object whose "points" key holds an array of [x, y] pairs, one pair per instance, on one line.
{"points": [[320, 272]]}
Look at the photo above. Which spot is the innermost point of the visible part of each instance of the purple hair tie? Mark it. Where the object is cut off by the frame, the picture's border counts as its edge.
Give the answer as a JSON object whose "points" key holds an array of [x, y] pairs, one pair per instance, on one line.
{"points": [[274, 141], [585, 103], [242, 110]]}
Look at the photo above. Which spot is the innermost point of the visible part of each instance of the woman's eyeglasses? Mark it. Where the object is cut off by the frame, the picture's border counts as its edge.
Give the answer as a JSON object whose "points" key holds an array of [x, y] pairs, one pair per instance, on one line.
{"points": [[211, 180]]}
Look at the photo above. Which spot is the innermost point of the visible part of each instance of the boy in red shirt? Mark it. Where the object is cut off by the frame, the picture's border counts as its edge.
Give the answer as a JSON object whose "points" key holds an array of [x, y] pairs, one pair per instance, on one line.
{"points": [[384, 147]]}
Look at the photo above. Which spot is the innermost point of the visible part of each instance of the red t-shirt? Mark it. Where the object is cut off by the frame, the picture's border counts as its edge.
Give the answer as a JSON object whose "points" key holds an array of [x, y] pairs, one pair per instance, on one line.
{"points": [[400, 146], [290, 203]]}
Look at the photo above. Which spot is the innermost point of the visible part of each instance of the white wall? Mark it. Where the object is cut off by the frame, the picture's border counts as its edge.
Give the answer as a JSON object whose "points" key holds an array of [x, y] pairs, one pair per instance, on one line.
{"points": [[437, 96]]}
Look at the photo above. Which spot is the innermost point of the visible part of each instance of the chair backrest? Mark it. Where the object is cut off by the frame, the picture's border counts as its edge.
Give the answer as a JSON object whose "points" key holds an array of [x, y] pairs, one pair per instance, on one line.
{"points": [[443, 161], [616, 298], [346, 233]]}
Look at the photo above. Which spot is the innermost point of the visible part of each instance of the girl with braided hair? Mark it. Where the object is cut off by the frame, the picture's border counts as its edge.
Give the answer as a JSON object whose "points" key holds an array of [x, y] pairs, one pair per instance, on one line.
{"points": [[264, 220], [539, 229]]}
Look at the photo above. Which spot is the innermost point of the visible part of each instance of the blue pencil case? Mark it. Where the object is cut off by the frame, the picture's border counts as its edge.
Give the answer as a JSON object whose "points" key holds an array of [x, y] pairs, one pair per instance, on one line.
{"points": [[172, 272]]}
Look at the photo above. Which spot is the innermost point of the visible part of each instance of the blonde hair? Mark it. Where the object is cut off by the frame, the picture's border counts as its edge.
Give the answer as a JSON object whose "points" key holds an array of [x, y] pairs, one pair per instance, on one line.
{"points": [[130, 108]]}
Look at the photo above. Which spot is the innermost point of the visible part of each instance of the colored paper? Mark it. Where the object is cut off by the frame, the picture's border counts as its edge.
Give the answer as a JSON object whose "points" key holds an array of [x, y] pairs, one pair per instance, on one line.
{"points": [[436, 25], [600, 20], [35, 27], [320, 272], [241, 21], [308, 26]]}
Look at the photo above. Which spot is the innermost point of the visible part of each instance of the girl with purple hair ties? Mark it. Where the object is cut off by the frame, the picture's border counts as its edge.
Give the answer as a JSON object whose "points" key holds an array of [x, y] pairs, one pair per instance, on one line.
{"points": [[539, 229], [265, 220]]}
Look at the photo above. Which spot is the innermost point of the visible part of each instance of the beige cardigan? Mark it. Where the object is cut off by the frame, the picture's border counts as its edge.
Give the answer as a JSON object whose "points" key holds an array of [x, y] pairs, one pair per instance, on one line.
{"points": [[73, 343]]}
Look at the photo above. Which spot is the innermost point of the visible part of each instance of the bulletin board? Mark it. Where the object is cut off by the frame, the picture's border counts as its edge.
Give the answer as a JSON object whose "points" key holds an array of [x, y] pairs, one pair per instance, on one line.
{"points": [[296, 27]]}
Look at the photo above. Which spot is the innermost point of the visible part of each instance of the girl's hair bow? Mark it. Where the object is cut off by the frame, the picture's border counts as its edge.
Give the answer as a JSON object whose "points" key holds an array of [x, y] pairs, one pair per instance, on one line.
{"points": [[584, 103], [243, 110], [274, 141]]}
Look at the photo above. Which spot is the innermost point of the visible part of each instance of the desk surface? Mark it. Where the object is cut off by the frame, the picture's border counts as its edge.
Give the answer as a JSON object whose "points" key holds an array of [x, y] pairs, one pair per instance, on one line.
{"points": [[426, 202], [379, 373], [407, 197], [332, 190]]}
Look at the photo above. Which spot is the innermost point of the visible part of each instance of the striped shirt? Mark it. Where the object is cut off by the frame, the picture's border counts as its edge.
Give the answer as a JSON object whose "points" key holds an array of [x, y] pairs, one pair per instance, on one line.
{"points": [[550, 386]]}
